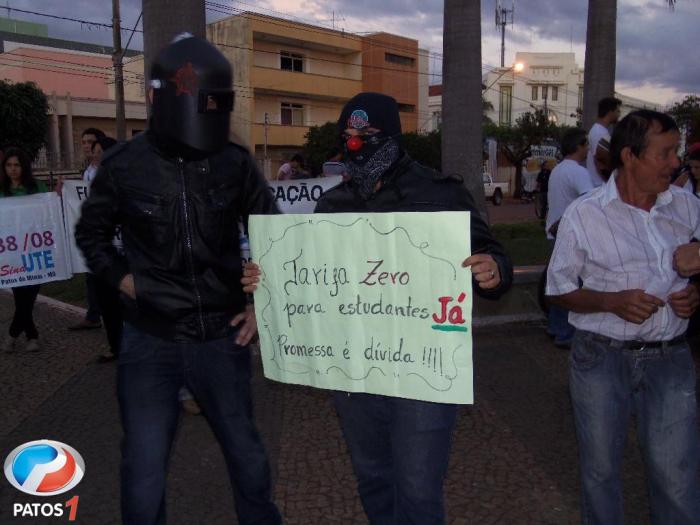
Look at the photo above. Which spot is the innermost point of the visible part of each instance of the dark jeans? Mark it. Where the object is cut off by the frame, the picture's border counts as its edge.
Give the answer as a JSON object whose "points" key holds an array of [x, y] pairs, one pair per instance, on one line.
{"points": [[400, 450], [608, 384], [151, 371], [110, 305], [93, 309], [23, 321]]}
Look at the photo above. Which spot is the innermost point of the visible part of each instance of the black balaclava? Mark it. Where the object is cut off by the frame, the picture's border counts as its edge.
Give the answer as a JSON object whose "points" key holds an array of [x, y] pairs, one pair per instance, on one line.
{"points": [[371, 156], [192, 96]]}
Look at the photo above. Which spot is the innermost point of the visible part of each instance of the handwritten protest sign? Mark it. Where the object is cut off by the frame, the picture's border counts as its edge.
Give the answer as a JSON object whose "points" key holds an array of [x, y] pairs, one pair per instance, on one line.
{"points": [[33, 248], [374, 303], [74, 192], [301, 195]]}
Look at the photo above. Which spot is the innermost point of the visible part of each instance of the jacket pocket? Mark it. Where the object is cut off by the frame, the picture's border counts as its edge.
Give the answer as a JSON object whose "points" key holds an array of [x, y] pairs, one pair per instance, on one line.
{"points": [[147, 216]]}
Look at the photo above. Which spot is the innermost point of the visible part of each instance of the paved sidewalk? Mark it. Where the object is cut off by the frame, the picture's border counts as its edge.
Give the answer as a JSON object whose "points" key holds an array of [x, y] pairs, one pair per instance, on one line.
{"points": [[513, 459]]}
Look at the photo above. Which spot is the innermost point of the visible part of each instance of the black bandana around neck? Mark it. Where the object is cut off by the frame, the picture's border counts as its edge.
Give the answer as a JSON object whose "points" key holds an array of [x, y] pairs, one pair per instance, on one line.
{"points": [[365, 175]]}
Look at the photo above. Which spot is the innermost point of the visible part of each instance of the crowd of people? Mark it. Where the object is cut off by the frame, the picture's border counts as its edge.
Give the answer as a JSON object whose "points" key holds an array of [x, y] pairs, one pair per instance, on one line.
{"points": [[175, 302]]}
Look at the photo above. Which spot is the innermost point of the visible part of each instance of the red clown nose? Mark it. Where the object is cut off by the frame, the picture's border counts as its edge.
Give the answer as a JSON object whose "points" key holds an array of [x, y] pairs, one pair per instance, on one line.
{"points": [[354, 143]]}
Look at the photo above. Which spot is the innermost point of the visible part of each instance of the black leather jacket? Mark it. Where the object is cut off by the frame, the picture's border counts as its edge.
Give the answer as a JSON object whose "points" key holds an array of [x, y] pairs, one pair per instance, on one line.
{"points": [[412, 187], [179, 223]]}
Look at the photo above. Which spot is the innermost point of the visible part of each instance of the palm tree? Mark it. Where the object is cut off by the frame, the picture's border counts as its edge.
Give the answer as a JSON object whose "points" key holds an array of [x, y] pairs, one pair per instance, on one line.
{"points": [[164, 19], [462, 112], [599, 74]]}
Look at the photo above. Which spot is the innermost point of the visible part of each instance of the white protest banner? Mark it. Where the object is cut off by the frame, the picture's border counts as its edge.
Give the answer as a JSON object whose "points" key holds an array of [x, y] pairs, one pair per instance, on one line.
{"points": [[74, 193], [33, 248], [301, 195], [374, 303]]}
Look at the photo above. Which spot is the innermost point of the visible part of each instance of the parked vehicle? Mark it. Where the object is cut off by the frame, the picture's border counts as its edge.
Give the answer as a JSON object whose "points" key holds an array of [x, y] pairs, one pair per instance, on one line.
{"points": [[494, 190]]}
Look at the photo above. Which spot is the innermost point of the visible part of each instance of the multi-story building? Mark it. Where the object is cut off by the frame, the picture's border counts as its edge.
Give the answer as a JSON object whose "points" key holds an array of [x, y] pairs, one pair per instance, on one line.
{"points": [[552, 82], [78, 81], [289, 76]]}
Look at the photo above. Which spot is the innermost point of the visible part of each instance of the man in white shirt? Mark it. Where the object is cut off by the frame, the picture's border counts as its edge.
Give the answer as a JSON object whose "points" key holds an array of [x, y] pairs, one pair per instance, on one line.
{"points": [[608, 114], [568, 181], [629, 354], [93, 314]]}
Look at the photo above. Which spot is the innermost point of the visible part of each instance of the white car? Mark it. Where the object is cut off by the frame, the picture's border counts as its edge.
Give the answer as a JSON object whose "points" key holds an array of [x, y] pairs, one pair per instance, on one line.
{"points": [[494, 190]]}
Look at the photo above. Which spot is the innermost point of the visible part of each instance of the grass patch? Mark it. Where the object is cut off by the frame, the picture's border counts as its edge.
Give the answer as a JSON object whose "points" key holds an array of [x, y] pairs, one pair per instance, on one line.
{"points": [[72, 291], [525, 242]]}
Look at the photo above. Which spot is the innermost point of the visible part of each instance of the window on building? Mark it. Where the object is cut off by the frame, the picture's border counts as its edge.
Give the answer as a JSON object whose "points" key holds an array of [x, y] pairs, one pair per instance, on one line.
{"points": [[580, 97], [505, 105], [545, 92], [555, 93], [534, 92], [292, 114], [407, 108], [291, 61], [399, 59], [437, 119]]}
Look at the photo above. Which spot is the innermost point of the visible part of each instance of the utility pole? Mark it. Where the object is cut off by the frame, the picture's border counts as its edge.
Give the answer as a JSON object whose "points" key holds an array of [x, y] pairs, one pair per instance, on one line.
{"points": [[504, 16], [118, 72]]}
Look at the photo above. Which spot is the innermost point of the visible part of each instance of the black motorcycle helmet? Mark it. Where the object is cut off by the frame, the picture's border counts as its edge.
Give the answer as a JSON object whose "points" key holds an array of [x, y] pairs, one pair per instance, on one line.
{"points": [[192, 94]]}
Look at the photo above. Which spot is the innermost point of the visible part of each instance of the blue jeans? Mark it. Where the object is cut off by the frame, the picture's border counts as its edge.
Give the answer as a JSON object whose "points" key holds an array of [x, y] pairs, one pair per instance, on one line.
{"points": [[151, 372], [558, 324], [400, 450], [608, 384]]}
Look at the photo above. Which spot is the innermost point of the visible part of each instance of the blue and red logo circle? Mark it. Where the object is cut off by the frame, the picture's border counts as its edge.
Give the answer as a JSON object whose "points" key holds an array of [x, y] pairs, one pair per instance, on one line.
{"points": [[44, 468], [358, 119]]}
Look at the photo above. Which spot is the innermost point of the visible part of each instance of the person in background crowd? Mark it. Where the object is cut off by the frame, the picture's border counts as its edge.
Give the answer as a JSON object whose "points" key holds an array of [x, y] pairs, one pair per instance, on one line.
{"points": [[400, 447], [629, 354], [689, 174], [608, 114], [529, 182], [177, 191], [16, 179], [569, 180], [106, 295], [93, 314], [294, 169], [602, 158]]}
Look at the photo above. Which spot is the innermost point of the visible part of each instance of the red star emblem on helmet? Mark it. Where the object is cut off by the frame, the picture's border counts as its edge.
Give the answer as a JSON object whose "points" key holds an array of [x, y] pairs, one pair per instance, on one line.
{"points": [[186, 80]]}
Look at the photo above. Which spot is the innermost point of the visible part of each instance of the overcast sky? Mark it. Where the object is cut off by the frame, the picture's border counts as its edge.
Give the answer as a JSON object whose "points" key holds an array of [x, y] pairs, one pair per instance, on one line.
{"points": [[657, 48]]}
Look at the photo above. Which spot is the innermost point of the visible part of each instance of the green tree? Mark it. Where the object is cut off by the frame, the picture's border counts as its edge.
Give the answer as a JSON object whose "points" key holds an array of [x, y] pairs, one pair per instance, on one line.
{"points": [[23, 122], [321, 141], [687, 115], [515, 141], [424, 148]]}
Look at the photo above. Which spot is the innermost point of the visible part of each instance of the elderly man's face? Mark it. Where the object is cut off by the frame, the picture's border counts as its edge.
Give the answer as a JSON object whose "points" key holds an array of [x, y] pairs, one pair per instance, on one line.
{"points": [[653, 169]]}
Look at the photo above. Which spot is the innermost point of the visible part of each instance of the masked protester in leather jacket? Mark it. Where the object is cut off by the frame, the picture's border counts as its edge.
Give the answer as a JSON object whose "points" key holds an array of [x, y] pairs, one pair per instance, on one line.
{"points": [[178, 191], [400, 447]]}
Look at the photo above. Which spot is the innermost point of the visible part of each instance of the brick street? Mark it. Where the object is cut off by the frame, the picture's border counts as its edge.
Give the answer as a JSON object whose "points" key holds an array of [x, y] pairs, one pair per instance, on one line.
{"points": [[513, 456]]}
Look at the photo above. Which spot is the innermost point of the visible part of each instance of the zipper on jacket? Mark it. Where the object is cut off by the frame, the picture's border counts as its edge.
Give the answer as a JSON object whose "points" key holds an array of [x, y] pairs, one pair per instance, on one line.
{"points": [[188, 245]]}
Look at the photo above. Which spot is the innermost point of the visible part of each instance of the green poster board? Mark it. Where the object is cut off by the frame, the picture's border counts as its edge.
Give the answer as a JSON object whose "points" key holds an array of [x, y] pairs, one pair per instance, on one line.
{"points": [[375, 303]]}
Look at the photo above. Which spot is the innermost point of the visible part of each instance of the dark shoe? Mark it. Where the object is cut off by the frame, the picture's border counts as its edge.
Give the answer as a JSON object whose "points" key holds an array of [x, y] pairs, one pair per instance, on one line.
{"points": [[9, 345], [85, 325], [191, 407], [107, 357], [562, 343]]}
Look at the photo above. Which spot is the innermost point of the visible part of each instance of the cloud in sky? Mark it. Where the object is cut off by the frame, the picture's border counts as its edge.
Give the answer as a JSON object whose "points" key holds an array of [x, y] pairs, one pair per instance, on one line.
{"points": [[656, 47]]}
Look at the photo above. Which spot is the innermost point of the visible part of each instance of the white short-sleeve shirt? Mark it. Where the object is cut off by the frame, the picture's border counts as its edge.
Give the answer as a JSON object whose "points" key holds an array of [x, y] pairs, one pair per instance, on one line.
{"points": [[567, 182], [612, 246], [597, 132]]}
